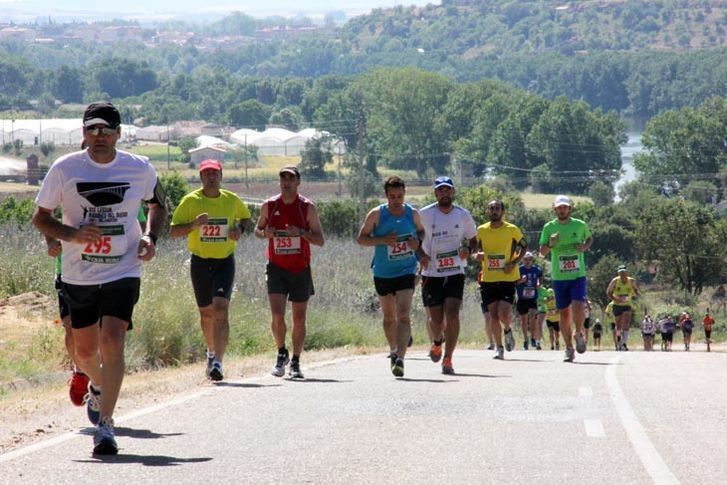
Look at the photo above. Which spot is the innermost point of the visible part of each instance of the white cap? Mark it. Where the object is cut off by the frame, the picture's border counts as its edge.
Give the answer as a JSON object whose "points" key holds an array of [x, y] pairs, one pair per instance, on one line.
{"points": [[529, 255], [562, 200]]}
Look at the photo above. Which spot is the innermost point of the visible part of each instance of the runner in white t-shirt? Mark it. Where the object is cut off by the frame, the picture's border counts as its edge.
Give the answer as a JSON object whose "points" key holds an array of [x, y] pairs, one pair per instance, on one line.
{"points": [[100, 190], [450, 233]]}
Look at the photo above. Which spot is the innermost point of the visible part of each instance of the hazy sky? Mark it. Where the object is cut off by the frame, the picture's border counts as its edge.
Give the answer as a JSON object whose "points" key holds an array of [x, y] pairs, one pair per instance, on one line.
{"points": [[28, 10]]}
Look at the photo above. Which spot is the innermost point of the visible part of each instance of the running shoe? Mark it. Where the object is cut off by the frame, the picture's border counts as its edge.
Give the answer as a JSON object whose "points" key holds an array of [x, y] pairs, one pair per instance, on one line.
{"points": [[447, 368], [294, 372], [78, 387], [398, 368], [216, 372], [491, 347], [537, 345], [580, 343], [570, 354], [104, 441], [93, 404], [280, 363], [533, 342], [435, 352], [500, 355], [410, 342], [509, 340], [525, 345], [624, 347]]}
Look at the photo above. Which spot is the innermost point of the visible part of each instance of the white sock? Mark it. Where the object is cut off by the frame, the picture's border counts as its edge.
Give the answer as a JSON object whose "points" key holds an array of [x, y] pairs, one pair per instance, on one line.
{"points": [[210, 354]]}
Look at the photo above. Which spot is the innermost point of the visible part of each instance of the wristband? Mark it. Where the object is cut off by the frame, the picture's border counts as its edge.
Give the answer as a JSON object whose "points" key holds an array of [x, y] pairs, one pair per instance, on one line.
{"points": [[151, 236]]}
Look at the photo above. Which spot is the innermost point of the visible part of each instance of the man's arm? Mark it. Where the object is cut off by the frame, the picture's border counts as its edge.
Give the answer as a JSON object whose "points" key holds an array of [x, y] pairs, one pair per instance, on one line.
{"points": [[315, 235], [609, 290], [155, 225], [585, 246], [51, 227], [181, 230], [365, 238], [262, 230]]}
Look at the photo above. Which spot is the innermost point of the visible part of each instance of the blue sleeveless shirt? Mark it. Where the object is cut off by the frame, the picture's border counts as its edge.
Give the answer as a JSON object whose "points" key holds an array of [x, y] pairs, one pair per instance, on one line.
{"points": [[397, 260]]}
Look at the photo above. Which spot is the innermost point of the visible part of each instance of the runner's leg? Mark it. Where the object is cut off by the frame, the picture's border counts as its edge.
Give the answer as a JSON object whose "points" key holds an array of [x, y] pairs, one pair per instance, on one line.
{"points": [[451, 310], [220, 308], [388, 309], [299, 314], [86, 345], [403, 320], [113, 334], [277, 309]]}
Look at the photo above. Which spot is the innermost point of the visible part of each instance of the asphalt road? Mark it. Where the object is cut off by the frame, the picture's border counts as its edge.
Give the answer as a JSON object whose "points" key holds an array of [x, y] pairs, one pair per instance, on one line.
{"points": [[628, 417]]}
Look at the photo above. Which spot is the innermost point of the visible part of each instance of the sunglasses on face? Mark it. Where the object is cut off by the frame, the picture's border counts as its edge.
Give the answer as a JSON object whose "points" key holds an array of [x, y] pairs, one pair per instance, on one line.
{"points": [[106, 131]]}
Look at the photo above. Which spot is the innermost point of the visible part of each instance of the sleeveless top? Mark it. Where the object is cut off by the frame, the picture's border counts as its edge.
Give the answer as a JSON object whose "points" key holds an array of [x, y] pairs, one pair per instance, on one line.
{"points": [[291, 253], [399, 259]]}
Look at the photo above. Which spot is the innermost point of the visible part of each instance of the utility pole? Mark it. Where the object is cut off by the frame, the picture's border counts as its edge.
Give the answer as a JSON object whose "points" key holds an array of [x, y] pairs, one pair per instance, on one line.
{"points": [[247, 182], [169, 159], [340, 191]]}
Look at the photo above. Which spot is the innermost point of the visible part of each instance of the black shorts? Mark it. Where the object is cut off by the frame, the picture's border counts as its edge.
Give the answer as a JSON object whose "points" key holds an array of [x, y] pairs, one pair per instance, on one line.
{"points": [[587, 322], [553, 325], [596, 335], [497, 291], [667, 336], [524, 305], [436, 289], [88, 303], [389, 286], [619, 310], [63, 309], [707, 333], [212, 278], [687, 331], [297, 286]]}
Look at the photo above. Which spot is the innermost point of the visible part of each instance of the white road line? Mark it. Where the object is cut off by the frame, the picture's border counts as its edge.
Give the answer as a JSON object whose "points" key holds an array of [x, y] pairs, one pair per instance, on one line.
{"points": [[649, 456], [585, 391], [594, 428]]}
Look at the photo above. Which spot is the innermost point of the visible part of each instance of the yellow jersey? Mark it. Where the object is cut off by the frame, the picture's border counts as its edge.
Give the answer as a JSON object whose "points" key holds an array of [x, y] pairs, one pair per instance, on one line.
{"points": [[500, 247], [625, 290]]}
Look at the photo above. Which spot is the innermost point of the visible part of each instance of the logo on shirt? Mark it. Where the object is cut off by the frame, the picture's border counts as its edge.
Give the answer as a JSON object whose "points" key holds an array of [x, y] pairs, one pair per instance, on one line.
{"points": [[103, 193]]}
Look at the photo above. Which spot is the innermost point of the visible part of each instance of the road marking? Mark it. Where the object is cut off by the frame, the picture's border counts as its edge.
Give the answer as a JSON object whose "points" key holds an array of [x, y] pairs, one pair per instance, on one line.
{"points": [[585, 391], [649, 456], [594, 428]]}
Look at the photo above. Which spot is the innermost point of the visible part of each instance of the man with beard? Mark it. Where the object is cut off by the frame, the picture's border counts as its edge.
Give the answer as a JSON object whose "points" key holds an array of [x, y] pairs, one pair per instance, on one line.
{"points": [[450, 236], [394, 229], [502, 247], [566, 239]]}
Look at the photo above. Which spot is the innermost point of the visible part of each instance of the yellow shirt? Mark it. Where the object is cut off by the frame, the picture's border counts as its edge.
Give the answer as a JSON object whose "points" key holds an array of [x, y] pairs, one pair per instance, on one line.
{"points": [[210, 240], [625, 290], [500, 247]]}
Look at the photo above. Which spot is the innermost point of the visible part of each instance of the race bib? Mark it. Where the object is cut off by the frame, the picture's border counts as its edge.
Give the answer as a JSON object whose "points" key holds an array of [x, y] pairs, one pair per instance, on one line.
{"points": [[285, 244], [528, 292], [495, 262], [109, 249], [447, 262], [400, 249], [569, 264], [624, 298], [214, 231]]}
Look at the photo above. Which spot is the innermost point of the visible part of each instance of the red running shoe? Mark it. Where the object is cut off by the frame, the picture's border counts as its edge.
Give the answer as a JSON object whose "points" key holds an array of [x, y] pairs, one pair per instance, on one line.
{"points": [[78, 388]]}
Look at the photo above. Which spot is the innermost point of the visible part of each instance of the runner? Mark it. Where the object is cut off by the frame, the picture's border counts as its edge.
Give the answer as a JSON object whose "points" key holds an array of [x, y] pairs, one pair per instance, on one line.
{"points": [[587, 321], [450, 234], [502, 246], [540, 320], [621, 291], [648, 330], [212, 219], [687, 326], [597, 331], [100, 191], [290, 223], [568, 238], [708, 323], [611, 321], [527, 298], [394, 230], [552, 320]]}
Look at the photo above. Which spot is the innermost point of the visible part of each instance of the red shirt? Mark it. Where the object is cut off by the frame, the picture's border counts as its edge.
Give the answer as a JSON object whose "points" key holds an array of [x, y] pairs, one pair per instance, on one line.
{"points": [[291, 253], [708, 322]]}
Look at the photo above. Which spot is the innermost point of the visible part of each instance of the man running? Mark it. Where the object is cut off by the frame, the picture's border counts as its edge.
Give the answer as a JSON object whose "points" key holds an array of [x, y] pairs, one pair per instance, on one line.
{"points": [[394, 229], [290, 223], [502, 246], [708, 323], [566, 239], [527, 298], [100, 191], [621, 291], [450, 235], [212, 219]]}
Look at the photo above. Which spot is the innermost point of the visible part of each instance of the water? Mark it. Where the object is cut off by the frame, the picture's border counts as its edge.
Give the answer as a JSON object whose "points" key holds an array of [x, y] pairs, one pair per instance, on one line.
{"points": [[631, 148]]}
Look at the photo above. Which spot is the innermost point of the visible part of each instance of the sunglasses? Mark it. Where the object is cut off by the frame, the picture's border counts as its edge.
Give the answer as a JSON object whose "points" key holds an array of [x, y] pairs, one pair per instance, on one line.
{"points": [[106, 131]]}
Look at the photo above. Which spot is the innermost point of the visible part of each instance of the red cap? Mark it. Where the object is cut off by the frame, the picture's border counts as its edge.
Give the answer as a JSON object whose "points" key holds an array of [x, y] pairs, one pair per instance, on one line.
{"points": [[213, 164]]}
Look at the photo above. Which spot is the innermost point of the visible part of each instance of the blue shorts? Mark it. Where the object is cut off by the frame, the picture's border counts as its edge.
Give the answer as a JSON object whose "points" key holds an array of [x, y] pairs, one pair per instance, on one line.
{"points": [[569, 291]]}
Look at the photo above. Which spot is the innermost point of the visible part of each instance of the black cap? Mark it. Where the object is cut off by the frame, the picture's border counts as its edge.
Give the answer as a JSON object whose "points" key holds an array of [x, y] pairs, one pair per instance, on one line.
{"points": [[101, 113], [290, 169]]}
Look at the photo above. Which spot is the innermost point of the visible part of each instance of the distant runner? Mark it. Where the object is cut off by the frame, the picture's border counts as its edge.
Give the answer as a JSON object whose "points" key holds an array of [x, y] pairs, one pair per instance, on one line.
{"points": [[394, 229], [708, 323], [527, 288], [621, 291], [212, 219]]}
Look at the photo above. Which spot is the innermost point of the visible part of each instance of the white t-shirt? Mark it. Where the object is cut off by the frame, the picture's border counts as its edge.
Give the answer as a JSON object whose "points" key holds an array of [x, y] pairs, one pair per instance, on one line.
{"points": [[109, 195], [443, 236]]}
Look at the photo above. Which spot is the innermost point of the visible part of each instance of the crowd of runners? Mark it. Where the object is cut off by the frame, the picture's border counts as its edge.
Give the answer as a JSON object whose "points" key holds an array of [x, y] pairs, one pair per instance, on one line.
{"points": [[104, 237]]}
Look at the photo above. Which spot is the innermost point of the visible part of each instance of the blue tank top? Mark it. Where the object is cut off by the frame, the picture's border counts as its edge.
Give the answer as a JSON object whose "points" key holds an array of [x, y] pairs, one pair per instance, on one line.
{"points": [[397, 260]]}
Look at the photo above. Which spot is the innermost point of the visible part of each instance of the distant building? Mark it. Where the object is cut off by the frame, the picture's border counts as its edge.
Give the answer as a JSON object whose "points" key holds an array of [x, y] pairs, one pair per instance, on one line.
{"points": [[155, 133], [17, 33], [197, 155]]}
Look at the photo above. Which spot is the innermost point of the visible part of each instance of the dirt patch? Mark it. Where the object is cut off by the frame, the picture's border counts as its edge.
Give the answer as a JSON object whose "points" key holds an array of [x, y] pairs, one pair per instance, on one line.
{"points": [[23, 315]]}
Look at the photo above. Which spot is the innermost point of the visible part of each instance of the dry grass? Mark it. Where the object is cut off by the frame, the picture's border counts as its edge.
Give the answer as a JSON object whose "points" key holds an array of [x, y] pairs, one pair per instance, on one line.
{"points": [[545, 201]]}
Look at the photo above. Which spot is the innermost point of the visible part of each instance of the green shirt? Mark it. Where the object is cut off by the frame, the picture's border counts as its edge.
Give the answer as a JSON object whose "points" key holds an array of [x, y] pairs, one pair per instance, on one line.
{"points": [[542, 296], [210, 241], [567, 263]]}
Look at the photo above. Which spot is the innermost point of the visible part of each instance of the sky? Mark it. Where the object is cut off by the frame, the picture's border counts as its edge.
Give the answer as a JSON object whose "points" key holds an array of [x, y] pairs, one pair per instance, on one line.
{"points": [[20, 11]]}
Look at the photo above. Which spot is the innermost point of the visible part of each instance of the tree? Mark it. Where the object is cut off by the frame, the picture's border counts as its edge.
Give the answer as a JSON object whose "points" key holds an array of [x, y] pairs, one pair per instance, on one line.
{"points": [[249, 113], [67, 85], [314, 157], [684, 240], [601, 193], [701, 191], [600, 275]]}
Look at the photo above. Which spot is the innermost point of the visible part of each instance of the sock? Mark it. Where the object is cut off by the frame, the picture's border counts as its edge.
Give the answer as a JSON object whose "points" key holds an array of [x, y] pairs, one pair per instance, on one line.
{"points": [[296, 358], [282, 350], [210, 354]]}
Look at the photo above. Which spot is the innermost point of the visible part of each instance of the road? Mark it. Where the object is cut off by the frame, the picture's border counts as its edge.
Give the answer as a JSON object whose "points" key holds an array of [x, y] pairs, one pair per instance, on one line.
{"points": [[628, 417]]}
